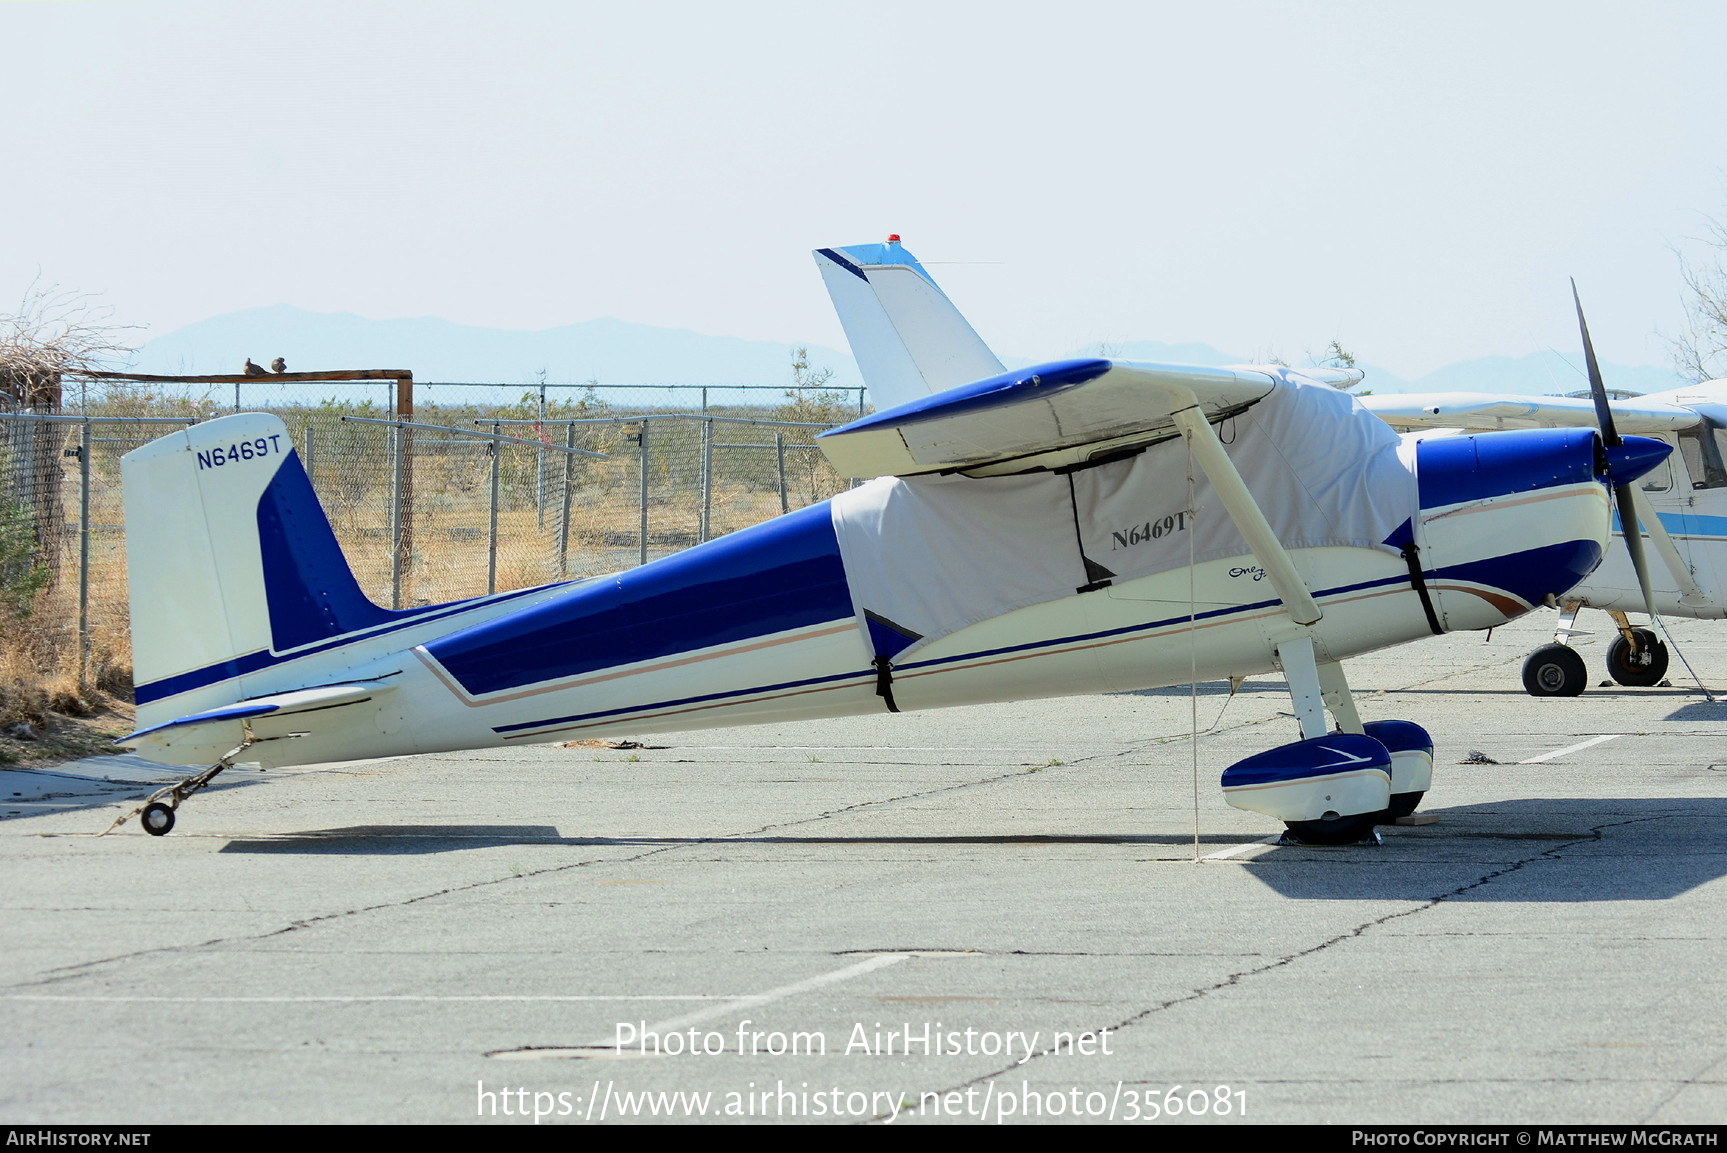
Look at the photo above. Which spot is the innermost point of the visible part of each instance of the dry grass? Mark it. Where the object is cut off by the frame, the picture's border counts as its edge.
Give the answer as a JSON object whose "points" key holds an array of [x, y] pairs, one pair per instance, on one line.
{"points": [[39, 662], [46, 715]]}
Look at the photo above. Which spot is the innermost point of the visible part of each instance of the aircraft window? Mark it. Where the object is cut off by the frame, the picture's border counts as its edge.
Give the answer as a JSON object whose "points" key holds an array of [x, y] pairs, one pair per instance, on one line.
{"points": [[1701, 448], [1659, 478]]}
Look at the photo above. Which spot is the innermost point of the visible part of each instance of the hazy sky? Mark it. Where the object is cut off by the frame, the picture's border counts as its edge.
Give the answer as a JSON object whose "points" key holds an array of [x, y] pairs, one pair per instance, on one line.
{"points": [[1415, 180]]}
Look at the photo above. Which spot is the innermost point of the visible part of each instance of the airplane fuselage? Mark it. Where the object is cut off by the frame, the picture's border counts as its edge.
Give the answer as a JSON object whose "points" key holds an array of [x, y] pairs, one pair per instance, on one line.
{"points": [[762, 625]]}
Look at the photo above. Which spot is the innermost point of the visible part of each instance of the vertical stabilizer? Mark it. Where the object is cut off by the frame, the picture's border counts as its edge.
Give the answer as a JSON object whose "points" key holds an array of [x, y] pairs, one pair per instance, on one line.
{"points": [[908, 338], [230, 556]]}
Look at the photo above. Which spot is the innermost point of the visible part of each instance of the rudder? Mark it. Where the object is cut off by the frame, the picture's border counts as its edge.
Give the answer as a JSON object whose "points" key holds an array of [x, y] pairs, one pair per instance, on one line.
{"points": [[230, 556]]}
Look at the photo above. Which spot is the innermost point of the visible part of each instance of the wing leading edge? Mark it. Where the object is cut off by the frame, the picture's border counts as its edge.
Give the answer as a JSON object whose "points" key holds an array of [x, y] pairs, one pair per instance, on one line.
{"points": [[1489, 412], [1046, 416]]}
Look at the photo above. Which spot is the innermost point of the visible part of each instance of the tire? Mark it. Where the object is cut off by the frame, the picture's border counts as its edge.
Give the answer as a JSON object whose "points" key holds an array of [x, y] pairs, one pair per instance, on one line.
{"points": [[1623, 662], [157, 819], [1337, 831], [1402, 804], [1554, 671]]}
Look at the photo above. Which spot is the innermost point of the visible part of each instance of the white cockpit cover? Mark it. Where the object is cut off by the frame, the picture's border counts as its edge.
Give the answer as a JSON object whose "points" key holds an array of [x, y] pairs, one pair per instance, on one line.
{"points": [[936, 554]]}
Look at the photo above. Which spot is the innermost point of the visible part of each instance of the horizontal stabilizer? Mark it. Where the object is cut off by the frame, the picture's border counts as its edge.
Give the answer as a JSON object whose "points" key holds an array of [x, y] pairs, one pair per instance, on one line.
{"points": [[276, 704], [1046, 416], [1489, 412]]}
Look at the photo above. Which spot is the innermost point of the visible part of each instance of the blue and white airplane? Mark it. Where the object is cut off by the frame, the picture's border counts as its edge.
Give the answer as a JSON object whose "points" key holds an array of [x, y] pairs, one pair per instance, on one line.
{"points": [[1082, 526], [1681, 508]]}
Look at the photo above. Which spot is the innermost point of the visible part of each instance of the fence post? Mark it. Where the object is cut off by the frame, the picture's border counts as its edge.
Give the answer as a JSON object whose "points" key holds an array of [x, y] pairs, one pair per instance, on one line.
{"points": [[84, 555], [402, 565], [492, 529], [311, 458], [396, 519], [705, 524], [564, 519], [643, 441], [780, 451], [540, 462]]}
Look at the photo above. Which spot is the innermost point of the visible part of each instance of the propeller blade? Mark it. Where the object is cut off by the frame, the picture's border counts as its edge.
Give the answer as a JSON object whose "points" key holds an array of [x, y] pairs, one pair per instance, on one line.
{"points": [[1597, 388], [1625, 499]]}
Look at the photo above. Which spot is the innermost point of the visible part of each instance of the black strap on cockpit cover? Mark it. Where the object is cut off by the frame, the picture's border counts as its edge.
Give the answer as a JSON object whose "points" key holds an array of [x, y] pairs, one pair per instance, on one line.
{"points": [[888, 639]]}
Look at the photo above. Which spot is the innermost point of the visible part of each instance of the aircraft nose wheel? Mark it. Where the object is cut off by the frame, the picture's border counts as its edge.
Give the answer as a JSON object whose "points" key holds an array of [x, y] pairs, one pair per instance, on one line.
{"points": [[157, 819], [1640, 667], [1337, 831], [1554, 671]]}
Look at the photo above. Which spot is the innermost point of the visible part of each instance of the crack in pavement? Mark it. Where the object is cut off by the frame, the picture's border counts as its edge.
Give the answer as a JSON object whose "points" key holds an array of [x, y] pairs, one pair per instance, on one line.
{"points": [[84, 968], [1594, 835]]}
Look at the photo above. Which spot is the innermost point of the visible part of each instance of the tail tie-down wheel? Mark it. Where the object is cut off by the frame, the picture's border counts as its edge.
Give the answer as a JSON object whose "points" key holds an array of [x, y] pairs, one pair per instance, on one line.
{"points": [[1639, 666], [1329, 790], [1554, 671], [156, 814]]}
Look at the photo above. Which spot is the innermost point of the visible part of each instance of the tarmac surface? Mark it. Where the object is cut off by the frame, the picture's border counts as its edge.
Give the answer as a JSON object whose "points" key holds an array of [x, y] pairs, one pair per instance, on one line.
{"points": [[982, 914]]}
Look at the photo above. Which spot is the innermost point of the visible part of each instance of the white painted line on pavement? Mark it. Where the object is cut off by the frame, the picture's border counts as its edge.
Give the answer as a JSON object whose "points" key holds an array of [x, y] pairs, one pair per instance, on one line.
{"points": [[362, 998], [732, 1005], [1225, 854], [1571, 749]]}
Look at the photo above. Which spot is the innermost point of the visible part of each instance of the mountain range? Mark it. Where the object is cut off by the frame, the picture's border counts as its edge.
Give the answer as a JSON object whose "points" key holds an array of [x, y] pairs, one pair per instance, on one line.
{"points": [[613, 351]]}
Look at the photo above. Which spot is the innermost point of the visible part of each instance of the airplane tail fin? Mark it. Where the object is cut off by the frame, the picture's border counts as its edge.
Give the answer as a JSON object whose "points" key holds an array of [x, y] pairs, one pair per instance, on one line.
{"points": [[908, 338], [231, 557]]}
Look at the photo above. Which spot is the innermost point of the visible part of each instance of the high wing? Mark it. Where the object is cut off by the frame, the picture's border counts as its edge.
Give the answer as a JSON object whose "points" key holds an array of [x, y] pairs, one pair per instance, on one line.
{"points": [[1488, 412], [1305, 447], [1048, 416]]}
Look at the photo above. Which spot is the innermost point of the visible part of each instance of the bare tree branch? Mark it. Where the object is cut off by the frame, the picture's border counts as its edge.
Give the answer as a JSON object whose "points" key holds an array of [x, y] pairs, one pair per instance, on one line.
{"points": [[55, 332], [1700, 352]]}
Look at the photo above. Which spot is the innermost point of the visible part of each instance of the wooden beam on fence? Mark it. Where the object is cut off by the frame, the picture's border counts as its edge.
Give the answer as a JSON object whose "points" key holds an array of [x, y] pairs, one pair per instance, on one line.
{"points": [[402, 547], [401, 375]]}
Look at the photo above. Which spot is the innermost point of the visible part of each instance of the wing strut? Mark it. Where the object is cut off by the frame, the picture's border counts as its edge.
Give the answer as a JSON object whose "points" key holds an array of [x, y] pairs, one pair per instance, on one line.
{"points": [[1690, 594], [1243, 509]]}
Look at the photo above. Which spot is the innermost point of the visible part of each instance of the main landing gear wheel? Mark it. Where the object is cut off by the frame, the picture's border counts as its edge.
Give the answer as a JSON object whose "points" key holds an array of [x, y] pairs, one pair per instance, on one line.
{"points": [[1402, 804], [1640, 667], [157, 819], [1336, 831], [1554, 671]]}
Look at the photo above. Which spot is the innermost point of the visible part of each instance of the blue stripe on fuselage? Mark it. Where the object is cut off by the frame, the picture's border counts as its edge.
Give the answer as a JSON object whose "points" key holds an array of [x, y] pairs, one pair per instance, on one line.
{"points": [[1532, 574], [1513, 573], [1683, 524], [245, 663], [783, 574]]}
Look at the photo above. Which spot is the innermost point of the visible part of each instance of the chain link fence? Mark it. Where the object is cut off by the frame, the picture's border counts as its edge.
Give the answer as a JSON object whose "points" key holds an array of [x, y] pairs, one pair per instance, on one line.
{"points": [[488, 488]]}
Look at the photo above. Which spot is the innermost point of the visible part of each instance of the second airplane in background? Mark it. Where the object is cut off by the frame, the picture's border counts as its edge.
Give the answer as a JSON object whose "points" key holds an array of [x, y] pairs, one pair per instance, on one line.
{"points": [[1681, 509]]}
